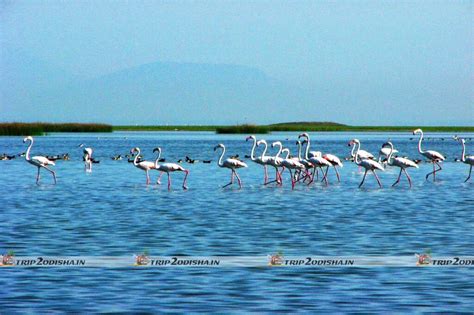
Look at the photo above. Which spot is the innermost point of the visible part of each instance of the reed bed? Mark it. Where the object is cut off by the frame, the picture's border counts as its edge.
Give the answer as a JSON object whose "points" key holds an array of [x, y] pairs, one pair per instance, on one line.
{"points": [[32, 129]]}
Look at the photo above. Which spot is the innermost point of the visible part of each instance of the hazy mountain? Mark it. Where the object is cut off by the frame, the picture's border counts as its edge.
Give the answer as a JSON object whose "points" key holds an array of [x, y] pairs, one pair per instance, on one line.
{"points": [[156, 93]]}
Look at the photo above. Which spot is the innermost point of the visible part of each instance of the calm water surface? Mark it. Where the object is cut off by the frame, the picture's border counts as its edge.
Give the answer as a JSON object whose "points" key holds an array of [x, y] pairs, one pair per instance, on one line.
{"points": [[112, 212]]}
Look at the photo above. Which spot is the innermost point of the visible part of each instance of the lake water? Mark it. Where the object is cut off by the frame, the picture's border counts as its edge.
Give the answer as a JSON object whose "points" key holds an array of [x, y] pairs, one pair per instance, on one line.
{"points": [[111, 212]]}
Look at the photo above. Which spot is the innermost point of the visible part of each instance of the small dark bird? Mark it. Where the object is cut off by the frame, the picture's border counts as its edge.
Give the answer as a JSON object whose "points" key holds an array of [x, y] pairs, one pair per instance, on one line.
{"points": [[207, 161], [117, 157], [180, 161], [247, 156], [236, 157], [189, 160]]}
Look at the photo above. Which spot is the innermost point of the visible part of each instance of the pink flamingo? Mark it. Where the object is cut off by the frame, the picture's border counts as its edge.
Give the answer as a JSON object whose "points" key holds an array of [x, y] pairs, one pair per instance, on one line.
{"points": [[368, 164], [143, 165], [433, 156], [469, 160], [291, 164], [262, 160], [231, 164], [400, 162], [270, 160], [169, 168], [38, 161], [316, 159]]}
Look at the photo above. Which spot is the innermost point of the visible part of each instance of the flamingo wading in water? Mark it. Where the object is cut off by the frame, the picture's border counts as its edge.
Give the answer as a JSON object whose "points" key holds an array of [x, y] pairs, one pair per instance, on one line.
{"points": [[262, 160], [143, 165], [466, 159], [368, 164], [38, 161], [400, 162], [169, 168], [231, 164], [291, 164], [88, 159], [316, 159], [433, 156]]}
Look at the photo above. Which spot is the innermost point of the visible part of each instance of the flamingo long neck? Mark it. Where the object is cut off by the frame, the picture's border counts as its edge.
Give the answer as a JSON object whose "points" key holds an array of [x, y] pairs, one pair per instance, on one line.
{"points": [[307, 148], [299, 150], [463, 157], [135, 160], [419, 143], [27, 156], [356, 158], [352, 152], [221, 157], [158, 159], [252, 153], [287, 153], [389, 162], [279, 150], [264, 149]]}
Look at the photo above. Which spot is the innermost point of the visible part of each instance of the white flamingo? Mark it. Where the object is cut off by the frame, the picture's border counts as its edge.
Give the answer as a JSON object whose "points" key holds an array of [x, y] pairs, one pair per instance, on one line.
{"points": [[169, 168], [335, 162], [38, 161], [316, 159], [270, 160], [291, 164], [362, 154], [469, 160], [262, 160], [402, 163], [384, 152], [368, 164], [433, 156], [143, 165], [231, 164], [88, 159]]}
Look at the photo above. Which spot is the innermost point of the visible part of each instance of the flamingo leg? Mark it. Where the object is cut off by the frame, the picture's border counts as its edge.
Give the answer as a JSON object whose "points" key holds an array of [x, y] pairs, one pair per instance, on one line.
{"points": [[363, 179], [398, 179], [52, 172], [158, 181], [337, 173], [292, 179], [169, 181], [38, 175], [147, 177], [325, 177], [433, 172], [311, 177], [378, 180], [238, 179], [184, 181], [408, 176], [470, 171], [266, 174], [231, 179]]}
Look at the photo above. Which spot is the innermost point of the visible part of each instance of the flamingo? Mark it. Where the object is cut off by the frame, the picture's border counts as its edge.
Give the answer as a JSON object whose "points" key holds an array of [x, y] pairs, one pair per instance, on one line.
{"points": [[268, 160], [384, 151], [88, 159], [335, 161], [306, 163], [169, 168], [231, 164], [259, 160], [276, 160], [38, 161], [433, 156], [402, 163], [316, 159], [368, 164], [362, 154], [143, 165], [466, 159], [291, 164]]}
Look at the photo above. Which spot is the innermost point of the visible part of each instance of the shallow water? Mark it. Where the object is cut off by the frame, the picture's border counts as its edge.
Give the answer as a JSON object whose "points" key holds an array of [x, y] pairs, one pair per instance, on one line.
{"points": [[112, 212]]}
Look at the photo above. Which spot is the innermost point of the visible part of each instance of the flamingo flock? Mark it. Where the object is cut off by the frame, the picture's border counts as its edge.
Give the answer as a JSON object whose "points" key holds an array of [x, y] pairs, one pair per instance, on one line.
{"points": [[303, 168]]}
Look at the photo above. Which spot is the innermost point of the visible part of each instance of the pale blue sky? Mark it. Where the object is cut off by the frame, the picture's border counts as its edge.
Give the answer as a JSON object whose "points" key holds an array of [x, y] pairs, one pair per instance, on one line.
{"points": [[369, 58]]}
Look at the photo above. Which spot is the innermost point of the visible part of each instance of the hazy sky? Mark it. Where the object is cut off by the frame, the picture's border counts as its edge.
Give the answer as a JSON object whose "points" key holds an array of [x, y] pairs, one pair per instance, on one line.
{"points": [[406, 50]]}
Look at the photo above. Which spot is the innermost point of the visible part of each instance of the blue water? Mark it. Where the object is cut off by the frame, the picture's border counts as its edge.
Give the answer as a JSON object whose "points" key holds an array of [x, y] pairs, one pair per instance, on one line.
{"points": [[112, 212]]}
